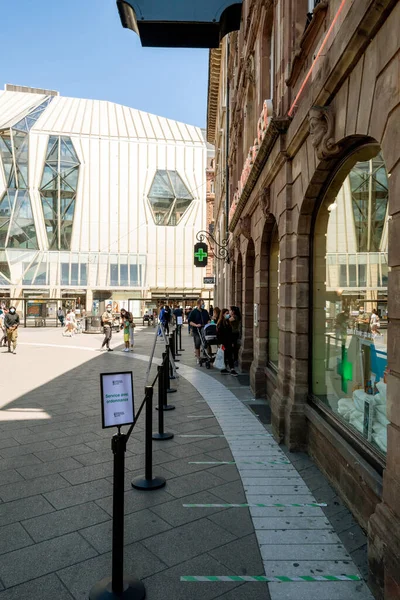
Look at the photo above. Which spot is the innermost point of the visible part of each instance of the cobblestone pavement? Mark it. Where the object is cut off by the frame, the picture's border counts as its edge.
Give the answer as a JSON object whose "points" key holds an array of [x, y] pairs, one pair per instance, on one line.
{"points": [[56, 486]]}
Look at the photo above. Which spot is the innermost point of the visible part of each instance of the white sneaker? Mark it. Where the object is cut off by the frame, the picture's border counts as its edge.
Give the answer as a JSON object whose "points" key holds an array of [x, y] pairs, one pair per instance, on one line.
{"points": [[126, 350]]}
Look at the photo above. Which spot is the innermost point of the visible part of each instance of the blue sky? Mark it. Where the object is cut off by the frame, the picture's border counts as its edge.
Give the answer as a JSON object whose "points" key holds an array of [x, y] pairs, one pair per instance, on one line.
{"points": [[79, 48]]}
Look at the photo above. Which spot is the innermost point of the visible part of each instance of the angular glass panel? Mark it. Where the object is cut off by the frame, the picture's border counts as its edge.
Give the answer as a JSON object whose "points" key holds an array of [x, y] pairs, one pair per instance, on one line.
{"points": [[161, 186], [21, 125], [29, 273], [180, 188], [64, 273], [67, 149], [5, 207], [52, 185], [74, 274], [22, 228], [52, 152], [22, 174], [113, 274], [123, 274], [48, 175], [71, 177], [48, 212], [83, 279], [133, 272], [5, 144], [12, 182], [3, 233], [66, 236], [41, 275]]}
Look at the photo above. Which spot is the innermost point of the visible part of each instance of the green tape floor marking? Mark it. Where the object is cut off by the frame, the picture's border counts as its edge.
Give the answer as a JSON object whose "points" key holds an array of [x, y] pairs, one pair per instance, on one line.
{"points": [[241, 462], [276, 579], [276, 505]]}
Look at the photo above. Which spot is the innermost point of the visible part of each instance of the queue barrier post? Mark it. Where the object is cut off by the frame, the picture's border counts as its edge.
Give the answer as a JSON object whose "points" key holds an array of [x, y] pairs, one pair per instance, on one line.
{"points": [[161, 434], [118, 586], [168, 371], [165, 385], [180, 339], [148, 482], [176, 334]]}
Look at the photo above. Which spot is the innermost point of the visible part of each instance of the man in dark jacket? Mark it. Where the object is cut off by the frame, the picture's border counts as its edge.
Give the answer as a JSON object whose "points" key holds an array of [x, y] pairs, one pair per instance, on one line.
{"points": [[11, 323], [197, 319]]}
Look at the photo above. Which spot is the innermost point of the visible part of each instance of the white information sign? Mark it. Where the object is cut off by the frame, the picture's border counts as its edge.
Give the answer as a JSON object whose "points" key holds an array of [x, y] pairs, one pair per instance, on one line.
{"points": [[117, 406], [179, 320]]}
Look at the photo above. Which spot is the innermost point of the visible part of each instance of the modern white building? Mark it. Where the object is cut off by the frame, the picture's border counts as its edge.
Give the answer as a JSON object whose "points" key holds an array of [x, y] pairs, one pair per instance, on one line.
{"points": [[98, 201]]}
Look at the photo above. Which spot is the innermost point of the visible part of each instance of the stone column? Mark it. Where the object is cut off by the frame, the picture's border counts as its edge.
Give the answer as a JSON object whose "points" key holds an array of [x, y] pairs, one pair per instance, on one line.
{"points": [[247, 349], [257, 370]]}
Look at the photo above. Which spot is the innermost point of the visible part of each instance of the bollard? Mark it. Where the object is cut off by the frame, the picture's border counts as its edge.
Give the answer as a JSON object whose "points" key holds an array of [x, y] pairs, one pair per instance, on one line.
{"points": [[148, 482], [180, 339], [161, 435], [173, 346], [168, 375], [166, 406], [176, 341], [117, 587]]}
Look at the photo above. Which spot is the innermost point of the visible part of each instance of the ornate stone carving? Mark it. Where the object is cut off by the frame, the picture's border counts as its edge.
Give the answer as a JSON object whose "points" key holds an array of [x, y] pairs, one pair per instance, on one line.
{"points": [[322, 128], [232, 254], [237, 242], [264, 199], [245, 226], [250, 69]]}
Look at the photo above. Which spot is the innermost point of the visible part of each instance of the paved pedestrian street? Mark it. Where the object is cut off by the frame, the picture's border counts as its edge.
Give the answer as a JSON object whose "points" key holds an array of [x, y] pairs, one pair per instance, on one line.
{"points": [[239, 517]]}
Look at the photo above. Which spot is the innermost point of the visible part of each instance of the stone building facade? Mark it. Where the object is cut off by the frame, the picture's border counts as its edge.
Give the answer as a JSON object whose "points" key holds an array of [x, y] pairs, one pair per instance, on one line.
{"points": [[306, 99]]}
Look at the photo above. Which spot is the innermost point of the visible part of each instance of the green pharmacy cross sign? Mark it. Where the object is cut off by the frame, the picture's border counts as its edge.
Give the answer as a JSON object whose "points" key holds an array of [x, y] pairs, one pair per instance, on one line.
{"points": [[200, 255]]}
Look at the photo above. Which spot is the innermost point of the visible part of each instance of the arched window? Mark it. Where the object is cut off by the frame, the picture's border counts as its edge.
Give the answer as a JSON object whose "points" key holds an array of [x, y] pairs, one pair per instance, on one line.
{"points": [[349, 363]]}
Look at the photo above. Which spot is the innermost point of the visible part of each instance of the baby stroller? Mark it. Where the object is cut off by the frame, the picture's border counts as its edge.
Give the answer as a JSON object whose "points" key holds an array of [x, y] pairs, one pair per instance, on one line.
{"points": [[208, 338]]}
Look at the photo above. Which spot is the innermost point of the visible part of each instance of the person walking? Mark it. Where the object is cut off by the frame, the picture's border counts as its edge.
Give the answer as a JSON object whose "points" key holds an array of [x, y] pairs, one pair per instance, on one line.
{"points": [[126, 319], [11, 323], [197, 319], [235, 321], [3, 331], [107, 321], [61, 316], [225, 338]]}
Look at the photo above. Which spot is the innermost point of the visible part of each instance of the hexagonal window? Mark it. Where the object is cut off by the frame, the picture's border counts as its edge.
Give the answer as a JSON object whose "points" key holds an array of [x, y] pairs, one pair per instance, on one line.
{"points": [[169, 198]]}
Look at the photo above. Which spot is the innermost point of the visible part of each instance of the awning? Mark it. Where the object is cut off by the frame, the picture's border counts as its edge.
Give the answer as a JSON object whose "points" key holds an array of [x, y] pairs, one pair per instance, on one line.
{"points": [[182, 23]]}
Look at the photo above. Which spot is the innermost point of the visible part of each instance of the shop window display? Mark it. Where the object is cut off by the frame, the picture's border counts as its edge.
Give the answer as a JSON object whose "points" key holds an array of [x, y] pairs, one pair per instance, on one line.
{"points": [[350, 300]]}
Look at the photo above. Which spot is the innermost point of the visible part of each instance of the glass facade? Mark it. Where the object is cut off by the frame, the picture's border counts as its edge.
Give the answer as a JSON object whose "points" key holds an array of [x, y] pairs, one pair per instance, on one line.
{"points": [[17, 226], [58, 191], [350, 302], [169, 198]]}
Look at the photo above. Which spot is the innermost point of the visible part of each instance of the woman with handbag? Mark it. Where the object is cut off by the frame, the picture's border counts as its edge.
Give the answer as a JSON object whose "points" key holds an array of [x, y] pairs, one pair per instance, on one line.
{"points": [[225, 338]]}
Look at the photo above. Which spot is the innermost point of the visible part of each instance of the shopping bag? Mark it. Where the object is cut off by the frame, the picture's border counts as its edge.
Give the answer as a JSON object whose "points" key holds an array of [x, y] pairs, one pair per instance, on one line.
{"points": [[219, 362]]}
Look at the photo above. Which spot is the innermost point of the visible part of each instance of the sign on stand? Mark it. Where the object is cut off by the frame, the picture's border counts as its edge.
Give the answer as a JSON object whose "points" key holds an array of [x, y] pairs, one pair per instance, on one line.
{"points": [[179, 320], [209, 280], [117, 404]]}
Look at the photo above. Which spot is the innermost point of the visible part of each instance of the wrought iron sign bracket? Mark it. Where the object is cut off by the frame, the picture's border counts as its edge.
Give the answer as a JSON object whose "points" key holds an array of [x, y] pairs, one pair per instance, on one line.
{"points": [[220, 251]]}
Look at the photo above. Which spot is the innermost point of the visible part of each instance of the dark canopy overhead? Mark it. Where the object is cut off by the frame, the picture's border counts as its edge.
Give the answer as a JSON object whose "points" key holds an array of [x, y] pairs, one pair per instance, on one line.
{"points": [[181, 23]]}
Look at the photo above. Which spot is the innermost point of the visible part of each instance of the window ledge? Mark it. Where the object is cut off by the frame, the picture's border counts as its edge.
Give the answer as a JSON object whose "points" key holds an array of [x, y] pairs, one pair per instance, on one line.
{"points": [[306, 42]]}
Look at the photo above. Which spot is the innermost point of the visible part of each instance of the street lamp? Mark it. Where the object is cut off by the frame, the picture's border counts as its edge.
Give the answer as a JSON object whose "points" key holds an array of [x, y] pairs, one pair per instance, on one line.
{"points": [[181, 23]]}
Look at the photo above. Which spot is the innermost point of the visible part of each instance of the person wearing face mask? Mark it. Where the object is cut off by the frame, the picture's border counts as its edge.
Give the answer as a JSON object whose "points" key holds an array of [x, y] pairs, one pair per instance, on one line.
{"points": [[107, 321], [197, 319], [225, 338], [11, 323]]}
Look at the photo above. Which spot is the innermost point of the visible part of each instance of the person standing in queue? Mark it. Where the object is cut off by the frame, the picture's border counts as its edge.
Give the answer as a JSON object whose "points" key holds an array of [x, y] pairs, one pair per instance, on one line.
{"points": [[197, 319], [11, 323], [107, 321]]}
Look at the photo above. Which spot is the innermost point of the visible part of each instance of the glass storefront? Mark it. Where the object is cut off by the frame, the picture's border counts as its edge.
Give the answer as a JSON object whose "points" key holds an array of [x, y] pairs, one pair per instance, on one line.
{"points": [[350, 299]]}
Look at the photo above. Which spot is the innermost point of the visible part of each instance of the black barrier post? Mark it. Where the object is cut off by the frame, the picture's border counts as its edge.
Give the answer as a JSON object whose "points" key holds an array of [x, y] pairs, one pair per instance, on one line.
{"points": [[168, 371], [165, 385], [173, 346], [118, 587], [161, 435], [176, 341], [148, 482], [180, 339]]}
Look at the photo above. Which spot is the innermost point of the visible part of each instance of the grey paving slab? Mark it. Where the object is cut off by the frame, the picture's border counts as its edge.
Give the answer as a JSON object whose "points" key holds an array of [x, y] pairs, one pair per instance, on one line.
{"points": [[137, 500], [225, 472], [10, 476], [308, 552], [90, 473], [138, 526], [13, 537], [65, 521], [58, 453], [18, 461], [248, 591], [176, 514], [48, 587], [183, 451], [230, 492], [167, 584], [191, 483], [242, 556], [69, 440], [25, 449], [48, 468], [187, 541], [80, 578], [79, 494], [28, 563], [32, 487], [290, 568], [319, 591], [8, 442], [11, 512], [301, 523], [238, 524]]}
